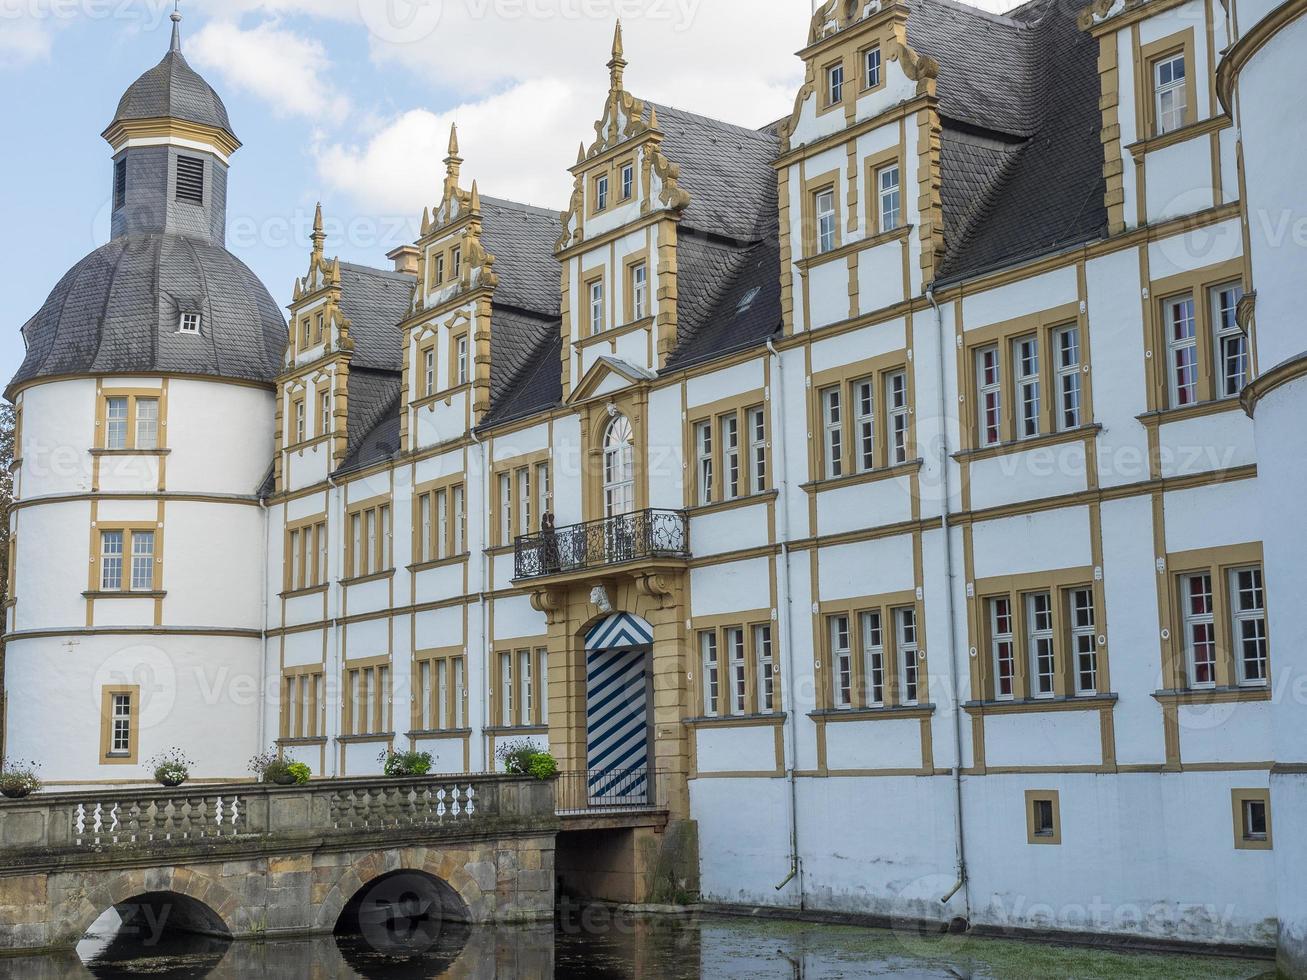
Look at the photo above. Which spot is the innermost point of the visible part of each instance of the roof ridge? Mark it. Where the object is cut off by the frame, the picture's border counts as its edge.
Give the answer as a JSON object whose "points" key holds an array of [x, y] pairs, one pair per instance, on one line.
{"points": [[504, 202], [407, 277]]}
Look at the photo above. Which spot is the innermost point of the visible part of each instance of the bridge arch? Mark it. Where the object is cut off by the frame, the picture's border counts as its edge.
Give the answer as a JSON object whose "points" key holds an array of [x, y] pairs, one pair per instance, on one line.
{"points": [[189, 900], [460, 897]]}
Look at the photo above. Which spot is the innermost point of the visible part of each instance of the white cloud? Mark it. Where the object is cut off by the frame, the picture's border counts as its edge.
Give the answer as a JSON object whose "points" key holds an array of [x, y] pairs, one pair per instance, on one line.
{"points": [[281, 67], [23, 42]]}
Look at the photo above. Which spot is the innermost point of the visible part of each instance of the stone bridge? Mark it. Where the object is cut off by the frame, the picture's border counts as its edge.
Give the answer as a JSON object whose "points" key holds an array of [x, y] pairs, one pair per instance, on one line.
{"points": [[250, 861]]}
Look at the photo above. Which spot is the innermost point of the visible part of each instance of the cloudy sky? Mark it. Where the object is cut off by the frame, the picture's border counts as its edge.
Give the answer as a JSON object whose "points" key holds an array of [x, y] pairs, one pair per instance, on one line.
{"points": [[350, 102]]}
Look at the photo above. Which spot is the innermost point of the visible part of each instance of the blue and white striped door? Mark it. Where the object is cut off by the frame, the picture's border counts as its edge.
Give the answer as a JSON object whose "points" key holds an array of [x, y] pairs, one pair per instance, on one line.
{"points": [[617, 710]]}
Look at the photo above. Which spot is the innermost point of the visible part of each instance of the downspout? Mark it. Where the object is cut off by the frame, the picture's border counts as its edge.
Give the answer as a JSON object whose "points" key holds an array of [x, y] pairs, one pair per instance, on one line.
{"points": [[484, 686], [945, 503], [337, 556], [787, 626], [264, 689]]}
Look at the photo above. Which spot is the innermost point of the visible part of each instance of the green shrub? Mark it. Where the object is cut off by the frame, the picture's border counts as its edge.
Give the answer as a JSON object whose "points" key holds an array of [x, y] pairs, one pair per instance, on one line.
{"points": [[522, 757], [301, 772], [410, 763], [543, 766]]}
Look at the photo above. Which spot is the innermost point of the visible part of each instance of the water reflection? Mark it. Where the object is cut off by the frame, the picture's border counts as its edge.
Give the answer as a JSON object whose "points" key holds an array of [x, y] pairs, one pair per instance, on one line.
{"points": [[595, 944]]}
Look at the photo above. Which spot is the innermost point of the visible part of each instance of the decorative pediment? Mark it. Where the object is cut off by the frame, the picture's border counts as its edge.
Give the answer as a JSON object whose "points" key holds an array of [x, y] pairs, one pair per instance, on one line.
{"points": [[835, 15], [607, 376], [455, 202]]}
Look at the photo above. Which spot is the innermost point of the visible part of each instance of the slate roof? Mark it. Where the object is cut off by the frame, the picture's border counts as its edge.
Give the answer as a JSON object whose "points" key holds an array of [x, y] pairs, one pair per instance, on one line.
{"points": [[521, 238], [373, 422], [117, 312], [173, 88], [375, 301]]}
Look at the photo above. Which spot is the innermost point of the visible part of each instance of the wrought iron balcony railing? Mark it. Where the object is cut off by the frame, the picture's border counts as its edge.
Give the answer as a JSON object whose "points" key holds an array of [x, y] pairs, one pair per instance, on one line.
{"points": [[612, 541]]}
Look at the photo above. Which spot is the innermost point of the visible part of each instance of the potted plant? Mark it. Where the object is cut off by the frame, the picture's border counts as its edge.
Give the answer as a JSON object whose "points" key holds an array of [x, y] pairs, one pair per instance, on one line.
{"points": [[522, 757], [300, 772], [171, 767], [18, 779], [409, 763]]}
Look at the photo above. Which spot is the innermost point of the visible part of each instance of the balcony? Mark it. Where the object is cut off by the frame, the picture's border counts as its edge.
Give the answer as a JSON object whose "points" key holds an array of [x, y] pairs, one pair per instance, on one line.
{"points": [[646, 535]]}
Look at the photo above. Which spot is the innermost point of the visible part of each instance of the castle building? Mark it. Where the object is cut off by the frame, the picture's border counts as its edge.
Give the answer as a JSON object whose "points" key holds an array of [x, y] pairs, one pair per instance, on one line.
{"points": [[900, 471]]}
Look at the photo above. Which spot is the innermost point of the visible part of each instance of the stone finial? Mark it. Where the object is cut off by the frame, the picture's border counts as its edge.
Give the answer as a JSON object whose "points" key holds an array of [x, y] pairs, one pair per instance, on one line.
{"points": [[617, 66], [176, 18], [319, 236]]}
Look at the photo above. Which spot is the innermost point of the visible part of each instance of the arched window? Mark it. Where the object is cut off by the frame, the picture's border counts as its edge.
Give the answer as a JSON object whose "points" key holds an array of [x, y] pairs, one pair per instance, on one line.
{"points": [[619, 468]]}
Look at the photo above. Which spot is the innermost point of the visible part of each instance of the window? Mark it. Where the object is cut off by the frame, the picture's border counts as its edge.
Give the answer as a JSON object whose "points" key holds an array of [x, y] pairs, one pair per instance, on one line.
{"points": [[1083, 646], [873, 657], [142, 561], [711, 681], [131, 422], [765, 669], [319, 327], [306, 555], [595, 291], [1229, 341], [835, 84], [520, 501], [1182, 352], [871, 67], [1025, 364], [119, 712], [456, 261], [601, 193], [738, 676], [989, 385], [119, 183], [628, 181], [505, 509], [190, 180], [368, 699], [523, 687], [1198, 615], [1169, 93], [324, 413], [439, 273], [429, 372], [1004, 648], [189, 323], [1248, 614], [302, 704], [1043, 817], [1252, 819], [306, 326], [459, 520], [619, 468], [1039, 642], [367, 549], [731, 475], [639, 291], [757, 420], [543, 494], [889, 197], [703, 443], [896, 397], [825, 215], [1066, 345], [111, 561], [864, 425], [905, 635], [301, 426], [136, 577], [833, 432], [841, 660], [523, 477], [440, 701], [461, 373]]}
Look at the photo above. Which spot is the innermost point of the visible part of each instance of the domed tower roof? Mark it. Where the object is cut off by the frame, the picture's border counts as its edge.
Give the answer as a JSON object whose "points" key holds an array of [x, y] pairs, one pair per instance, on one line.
{"points": [[119, 311], [173, 89]]}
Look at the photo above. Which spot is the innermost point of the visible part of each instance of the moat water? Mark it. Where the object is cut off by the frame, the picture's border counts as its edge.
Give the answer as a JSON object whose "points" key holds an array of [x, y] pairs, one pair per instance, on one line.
{"points": [[601, 945]]}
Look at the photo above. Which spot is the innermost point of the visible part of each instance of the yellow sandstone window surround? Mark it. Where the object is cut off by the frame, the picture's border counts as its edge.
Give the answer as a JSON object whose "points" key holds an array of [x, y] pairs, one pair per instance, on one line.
{"points": [[521, 685], [439, 691], [368, 539], [439, 522], [366, 706], [730, 451], [864, 417], [1171, 99], [120, 707], [1199, 352], [460, 369], [130, 420], [874, 653], [306, 564], [1252, 819], [739, 665], [522, 496], [126, 559], [1043, 816], [1220, 638], [302, 702]]}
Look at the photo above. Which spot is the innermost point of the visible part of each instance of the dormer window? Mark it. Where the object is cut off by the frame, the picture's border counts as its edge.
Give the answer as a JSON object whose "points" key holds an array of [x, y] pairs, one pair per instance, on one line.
{"points": [[601, 193], [190, 180], [439, 274], [628, 181], [189, 323], [835, 84], [458, 263]]}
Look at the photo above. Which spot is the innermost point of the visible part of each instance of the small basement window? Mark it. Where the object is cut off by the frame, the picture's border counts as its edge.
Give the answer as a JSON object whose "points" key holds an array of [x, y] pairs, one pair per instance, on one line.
{"points": [[189, 323], [1043, 817], [1252, 819], [190, 180]]}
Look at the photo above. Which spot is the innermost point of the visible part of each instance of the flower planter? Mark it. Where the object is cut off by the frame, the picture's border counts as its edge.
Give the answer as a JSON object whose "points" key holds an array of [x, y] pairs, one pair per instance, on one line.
{"points": [[172, 781], [16, 792], [283, 779]]}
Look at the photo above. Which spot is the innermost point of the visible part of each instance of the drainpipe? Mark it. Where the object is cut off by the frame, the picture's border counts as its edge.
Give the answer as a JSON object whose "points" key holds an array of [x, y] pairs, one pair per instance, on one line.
{"points": [[337, 556], [484, 686], [945, 503], [263, 628], [787, 626]]}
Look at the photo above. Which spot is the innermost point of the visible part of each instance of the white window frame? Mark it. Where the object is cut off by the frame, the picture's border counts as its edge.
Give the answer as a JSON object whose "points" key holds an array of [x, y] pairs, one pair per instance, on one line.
{"points": [[765, 663], [542, 490], [832, 417], [841, 659], [460, 360], [116, 412], [1229, 342], [112, 544], [757, 421], [1070, 400], [1084, 643], [120, 732], [147, 423], [505, 509], [703, 447], [143, 559], [628, 181], [711, 678], [897, 414], [429, 372], [1170, 97], [824, 212], [732, 477], [864, 425], [597, 306], [889, 197], [425, 552], [442, 524], [459, 497], [1025, 371], [871, 67], [1003, 646], [1253, 615], [601, 193], [1041, 652], [989, 396], [1180, 310], [1193, 621], [906, 640], [506, 699], [872, 627], [189, 323], [523, 490], [835, 84], [738, 675], [639, 290], [324, 413]]}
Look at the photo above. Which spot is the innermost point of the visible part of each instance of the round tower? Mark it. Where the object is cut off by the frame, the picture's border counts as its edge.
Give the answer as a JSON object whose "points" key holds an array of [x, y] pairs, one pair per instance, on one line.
{"points": [[1256, 71], [145, 429]]}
